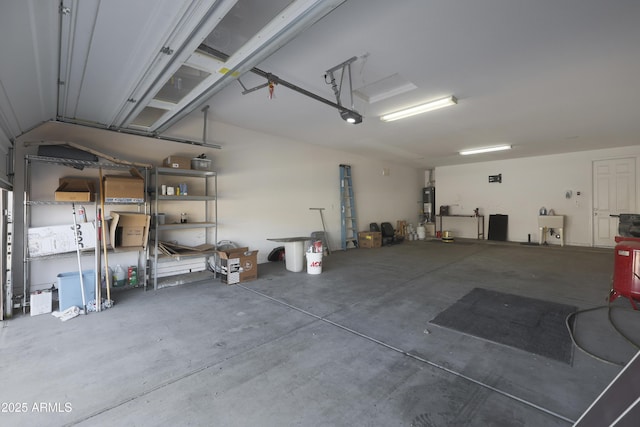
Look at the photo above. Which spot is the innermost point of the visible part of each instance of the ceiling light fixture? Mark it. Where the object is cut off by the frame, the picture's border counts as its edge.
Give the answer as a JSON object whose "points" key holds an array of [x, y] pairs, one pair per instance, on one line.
{"points": [[419, 109], [351, 116], [485, 150]]}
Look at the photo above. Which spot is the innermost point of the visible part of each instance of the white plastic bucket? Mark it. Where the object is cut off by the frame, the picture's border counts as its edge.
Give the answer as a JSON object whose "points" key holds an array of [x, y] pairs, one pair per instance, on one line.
{"points": [[314, 262], [294, 256], [421, 232]]}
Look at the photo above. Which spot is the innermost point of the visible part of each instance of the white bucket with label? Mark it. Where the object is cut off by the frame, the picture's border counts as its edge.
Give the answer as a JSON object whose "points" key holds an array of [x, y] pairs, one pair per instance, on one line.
{"points": [[421, 232], [314, 262]]}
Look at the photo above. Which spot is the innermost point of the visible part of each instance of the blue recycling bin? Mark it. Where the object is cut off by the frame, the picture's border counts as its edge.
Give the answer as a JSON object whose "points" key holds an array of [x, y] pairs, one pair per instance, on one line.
{"points": [[69, 293]]}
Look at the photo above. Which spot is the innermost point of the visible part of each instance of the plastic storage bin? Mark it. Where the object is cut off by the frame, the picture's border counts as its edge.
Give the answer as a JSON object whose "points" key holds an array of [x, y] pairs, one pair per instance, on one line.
{"points": [[69, 292], [201, 164]]}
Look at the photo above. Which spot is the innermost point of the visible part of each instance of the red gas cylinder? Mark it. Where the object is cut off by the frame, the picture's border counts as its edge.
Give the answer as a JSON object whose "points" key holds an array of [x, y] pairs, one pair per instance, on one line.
{"points": [[626, 273]]}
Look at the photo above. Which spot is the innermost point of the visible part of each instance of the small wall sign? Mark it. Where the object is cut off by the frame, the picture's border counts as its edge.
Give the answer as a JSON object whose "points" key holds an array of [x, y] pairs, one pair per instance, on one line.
{"points": [[495, 178]]}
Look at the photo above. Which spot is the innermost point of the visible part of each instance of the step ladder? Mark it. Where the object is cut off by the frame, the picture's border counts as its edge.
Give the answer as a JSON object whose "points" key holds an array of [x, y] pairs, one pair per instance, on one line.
{"points": [[348, 209]]}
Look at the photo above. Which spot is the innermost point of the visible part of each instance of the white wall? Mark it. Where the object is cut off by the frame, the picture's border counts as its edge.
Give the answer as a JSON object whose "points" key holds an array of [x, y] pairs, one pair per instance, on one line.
{"points": [[266, 186], [527, 185]]}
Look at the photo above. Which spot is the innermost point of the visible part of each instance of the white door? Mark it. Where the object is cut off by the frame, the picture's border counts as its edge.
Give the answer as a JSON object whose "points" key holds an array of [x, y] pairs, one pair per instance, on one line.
{"points": [[614, 192]]}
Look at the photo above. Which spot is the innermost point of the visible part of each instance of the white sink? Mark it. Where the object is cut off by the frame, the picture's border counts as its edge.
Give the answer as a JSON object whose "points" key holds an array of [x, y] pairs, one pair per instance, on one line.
{"points": [[551, 221]]}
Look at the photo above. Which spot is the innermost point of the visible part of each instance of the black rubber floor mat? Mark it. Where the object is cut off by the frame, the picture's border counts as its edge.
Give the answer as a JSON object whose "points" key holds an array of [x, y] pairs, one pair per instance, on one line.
{"points": [[528, 324]]}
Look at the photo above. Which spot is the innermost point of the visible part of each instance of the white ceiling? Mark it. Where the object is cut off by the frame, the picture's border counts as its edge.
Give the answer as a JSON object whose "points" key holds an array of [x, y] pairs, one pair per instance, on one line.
{"points": [[547, 76]]}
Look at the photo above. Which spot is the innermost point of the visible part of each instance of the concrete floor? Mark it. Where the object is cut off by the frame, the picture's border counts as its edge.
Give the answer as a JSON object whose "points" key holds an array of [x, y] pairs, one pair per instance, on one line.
{"points": [[350, 347]]}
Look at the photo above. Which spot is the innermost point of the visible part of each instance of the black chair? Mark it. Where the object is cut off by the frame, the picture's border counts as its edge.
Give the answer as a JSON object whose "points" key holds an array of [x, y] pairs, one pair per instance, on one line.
{"points": [[374, 227], [388, 234]]}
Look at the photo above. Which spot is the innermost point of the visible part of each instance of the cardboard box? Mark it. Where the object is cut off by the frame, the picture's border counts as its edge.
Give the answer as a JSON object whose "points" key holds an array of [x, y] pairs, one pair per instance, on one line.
{"points": [[238, 265], [129, 230], [40, 302], [124, 189], [60, 239], [370, 239], [75, 190], [177, 162]]}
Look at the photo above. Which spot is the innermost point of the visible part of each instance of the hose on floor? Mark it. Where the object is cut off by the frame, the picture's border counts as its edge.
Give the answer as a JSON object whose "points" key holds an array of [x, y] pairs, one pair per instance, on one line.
{"points": [[617, 329]]}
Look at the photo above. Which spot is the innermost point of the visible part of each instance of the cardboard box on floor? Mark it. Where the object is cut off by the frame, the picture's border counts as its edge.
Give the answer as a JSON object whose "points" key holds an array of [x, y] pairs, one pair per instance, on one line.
{"points": [[75, 190], [129, 230], [238, 265], [124, 189], [370, 239]]}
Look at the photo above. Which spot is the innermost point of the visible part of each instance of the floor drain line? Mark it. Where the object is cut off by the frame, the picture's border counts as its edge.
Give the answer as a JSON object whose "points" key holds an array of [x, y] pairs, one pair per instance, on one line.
{"points": [[412, 356]]}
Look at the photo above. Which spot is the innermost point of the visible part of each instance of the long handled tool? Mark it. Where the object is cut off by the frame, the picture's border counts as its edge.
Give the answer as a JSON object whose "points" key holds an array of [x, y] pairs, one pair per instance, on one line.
{"points": [[325, 237], [78, 243], [98, 258], [104, 242]]}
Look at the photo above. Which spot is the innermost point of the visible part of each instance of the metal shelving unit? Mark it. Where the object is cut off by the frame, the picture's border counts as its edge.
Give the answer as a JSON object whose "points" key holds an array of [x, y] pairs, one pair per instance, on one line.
{"points": [[29, 204], [207, 197]]}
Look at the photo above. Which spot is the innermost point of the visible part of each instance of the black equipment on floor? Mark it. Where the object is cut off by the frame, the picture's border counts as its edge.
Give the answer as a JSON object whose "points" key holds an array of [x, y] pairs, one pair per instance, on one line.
{"points": [[388, 235], [498, 225]]}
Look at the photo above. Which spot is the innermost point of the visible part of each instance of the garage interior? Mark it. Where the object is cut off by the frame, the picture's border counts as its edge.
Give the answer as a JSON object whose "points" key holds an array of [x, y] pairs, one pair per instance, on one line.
{"points": [[278, 95]]}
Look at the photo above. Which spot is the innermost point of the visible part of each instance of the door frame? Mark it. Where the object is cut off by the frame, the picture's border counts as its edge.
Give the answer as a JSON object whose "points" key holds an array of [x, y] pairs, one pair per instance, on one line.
{"points": [[593, 191]]}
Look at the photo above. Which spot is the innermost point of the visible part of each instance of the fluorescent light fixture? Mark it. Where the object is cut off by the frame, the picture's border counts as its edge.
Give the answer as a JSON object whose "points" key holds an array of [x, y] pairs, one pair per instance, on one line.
{"points": [[485, 150], [419, 109]]}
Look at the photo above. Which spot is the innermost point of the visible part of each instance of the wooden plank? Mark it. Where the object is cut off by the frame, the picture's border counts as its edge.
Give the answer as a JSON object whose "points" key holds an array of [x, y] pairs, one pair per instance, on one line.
{"points": [[205, 247], [200, 248]]}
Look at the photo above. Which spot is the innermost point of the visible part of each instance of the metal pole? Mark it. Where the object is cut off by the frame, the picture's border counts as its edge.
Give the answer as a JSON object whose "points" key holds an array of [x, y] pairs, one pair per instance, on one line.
{"points": [[278, 80], [75, 231], [324, 229], [205, 110]]}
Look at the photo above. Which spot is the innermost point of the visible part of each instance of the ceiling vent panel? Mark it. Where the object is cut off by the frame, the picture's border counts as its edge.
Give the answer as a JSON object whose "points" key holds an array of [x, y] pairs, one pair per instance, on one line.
{"points": [[385, 88], [148, 116], [180, 84], [242, 22]]}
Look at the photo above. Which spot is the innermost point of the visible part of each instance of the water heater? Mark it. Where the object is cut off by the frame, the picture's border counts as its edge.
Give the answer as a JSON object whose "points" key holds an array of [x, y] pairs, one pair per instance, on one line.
{"points": [[429, 203]]}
